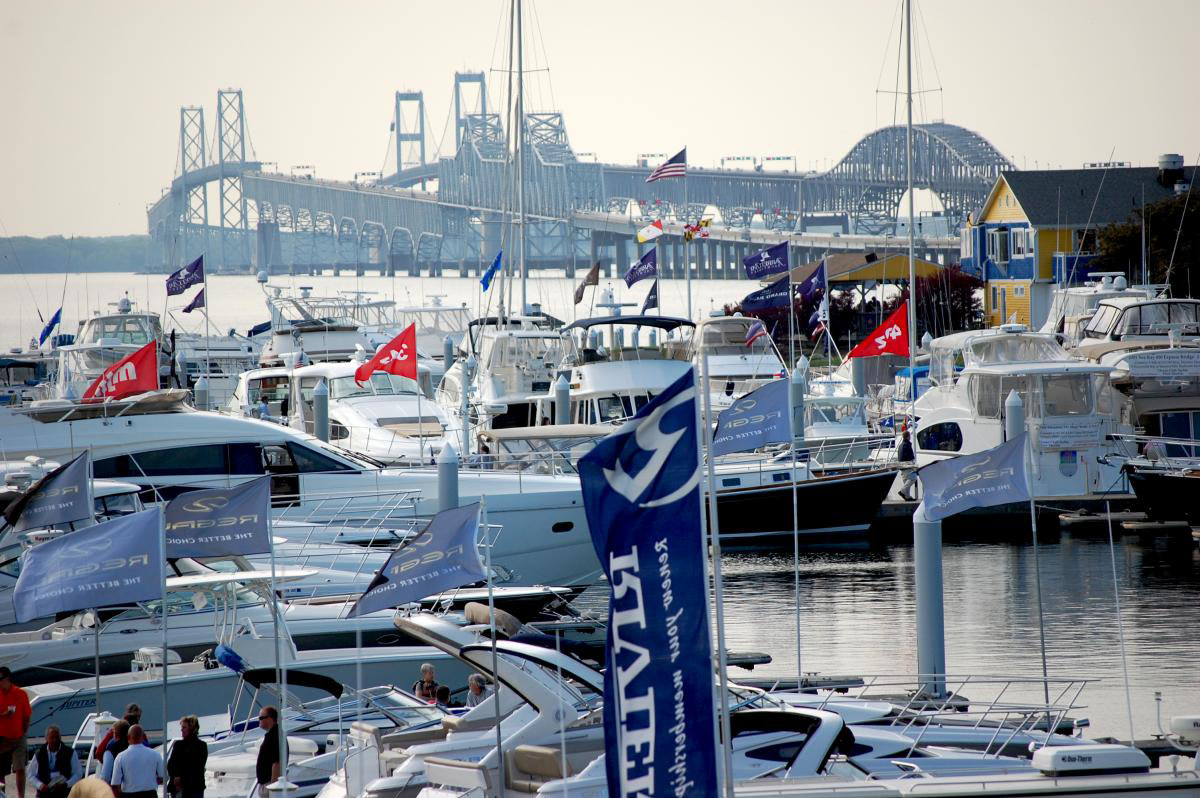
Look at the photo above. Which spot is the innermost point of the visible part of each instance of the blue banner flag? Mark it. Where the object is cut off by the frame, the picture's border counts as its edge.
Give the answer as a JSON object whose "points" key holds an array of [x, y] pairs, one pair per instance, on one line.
{"points": [[813, 284], [60, 497], [219, 522], [50, 325], [766, 262], [116, 562], [647, 266], [196, 303], [651, 298], [185, 278], [759, 418], [442, 557], [486, 279], [985, 479], [773, 297], [641, 492]]}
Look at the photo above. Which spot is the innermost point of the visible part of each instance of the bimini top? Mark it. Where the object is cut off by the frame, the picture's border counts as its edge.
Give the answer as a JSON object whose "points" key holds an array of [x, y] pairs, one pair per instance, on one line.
{"points": [[661, 322], [257, 677]]}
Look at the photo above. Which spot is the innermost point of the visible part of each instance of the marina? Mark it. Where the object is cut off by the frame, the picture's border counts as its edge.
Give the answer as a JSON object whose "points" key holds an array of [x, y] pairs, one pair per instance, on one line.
{"points": [[509, 469]]}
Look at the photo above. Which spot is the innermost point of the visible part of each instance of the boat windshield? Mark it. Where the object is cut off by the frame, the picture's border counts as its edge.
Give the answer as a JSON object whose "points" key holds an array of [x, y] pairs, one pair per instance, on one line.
{"points": [[543, 455], [1012, 348], [1157, 318], [728, 337], [380, 384], [402, 709], [506, 351], [135, 329], [847, 412]]}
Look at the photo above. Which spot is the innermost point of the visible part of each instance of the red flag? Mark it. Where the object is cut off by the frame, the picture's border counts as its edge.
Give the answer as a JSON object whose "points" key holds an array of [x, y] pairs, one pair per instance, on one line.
{"points": [[398, 357], [135, 373], [889, 338]]}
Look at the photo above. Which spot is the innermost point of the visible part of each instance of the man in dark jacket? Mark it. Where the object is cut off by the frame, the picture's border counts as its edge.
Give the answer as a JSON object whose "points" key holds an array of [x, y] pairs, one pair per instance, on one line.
{"points": [[189, 754], [267, 769]]}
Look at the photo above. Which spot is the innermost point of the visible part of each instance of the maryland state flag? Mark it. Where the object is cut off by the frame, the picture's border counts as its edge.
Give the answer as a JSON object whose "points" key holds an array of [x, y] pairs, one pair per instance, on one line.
{"points": [[134, 373], [698, 230], [889, 338]]}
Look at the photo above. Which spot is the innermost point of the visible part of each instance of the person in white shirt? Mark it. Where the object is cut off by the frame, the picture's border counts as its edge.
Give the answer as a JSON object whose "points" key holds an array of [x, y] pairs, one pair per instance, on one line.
{"points": [[138, 770], [55, 767]]}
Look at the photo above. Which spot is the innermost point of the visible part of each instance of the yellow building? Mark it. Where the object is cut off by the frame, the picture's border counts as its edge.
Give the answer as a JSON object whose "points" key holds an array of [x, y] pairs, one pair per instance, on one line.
{"points": [[1038, 229]]}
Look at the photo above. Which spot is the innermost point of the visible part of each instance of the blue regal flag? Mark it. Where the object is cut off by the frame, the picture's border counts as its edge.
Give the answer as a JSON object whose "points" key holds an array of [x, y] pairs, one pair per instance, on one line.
{"points": [[651, 298], [647, 266], [183, 279], [60, 497], [219, 522], [116, 562], [773, 297], [50, 325], [766, 262], [486, 279], [759, 418], [196, 303], [641, 492], [813, 283], [442, 557], [984, 479]]}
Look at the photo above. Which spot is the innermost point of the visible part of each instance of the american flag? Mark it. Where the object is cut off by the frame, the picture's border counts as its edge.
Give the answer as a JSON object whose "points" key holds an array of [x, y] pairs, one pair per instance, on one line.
{"points": [[675, 167], [756, 331]]}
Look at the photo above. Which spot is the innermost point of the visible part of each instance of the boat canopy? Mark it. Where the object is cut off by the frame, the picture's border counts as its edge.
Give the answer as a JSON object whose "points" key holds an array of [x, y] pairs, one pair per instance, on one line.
{"points": [[661, 322], [257, 677]]}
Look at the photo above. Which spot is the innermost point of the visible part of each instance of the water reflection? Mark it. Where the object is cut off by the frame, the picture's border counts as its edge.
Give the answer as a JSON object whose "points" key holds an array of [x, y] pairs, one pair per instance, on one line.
{"points": [[857, 616]]}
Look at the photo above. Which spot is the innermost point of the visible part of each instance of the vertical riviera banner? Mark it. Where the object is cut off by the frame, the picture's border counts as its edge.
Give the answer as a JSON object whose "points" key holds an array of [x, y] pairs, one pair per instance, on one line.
{"points": [[642, 497]]}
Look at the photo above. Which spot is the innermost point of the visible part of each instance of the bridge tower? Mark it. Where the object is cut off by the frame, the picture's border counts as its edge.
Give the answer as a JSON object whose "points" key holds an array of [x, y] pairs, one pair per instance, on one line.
{"points": [[462, 107], [194, 212], [231, 149], [403, 131]]}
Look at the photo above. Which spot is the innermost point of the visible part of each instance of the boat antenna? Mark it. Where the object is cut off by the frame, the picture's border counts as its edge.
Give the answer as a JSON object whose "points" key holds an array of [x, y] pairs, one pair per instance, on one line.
{"points": [[1091, 213], [1175, 247]]}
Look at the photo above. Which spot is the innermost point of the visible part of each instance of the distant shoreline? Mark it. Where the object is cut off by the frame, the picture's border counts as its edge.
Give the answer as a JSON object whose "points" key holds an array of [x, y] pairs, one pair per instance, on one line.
{"points": [[59, 255]]}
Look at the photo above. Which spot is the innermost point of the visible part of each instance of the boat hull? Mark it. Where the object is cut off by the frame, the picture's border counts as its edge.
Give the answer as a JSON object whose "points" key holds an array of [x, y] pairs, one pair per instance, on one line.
{"points": [[830, 510], [1167, 496]]}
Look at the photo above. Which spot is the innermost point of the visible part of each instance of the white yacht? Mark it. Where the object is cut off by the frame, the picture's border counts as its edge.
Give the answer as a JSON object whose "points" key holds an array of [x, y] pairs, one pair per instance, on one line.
{"points": [[301, 330], [157, 441], [516, 360], [1070, 408], [1073, 306], [390, 418], [735, 368], [618, 365]]}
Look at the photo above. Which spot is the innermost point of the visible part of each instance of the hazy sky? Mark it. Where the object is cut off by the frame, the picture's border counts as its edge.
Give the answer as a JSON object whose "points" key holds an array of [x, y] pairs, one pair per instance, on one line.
{"points": [[91, 91]]}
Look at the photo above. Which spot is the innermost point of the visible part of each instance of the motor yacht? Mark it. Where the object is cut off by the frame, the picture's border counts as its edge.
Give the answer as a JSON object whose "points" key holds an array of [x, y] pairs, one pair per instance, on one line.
{"points": [[756, 492], [304, 328], [1073, 307], [1070, 410], [390, 418], [157, 441], [735, 368]]}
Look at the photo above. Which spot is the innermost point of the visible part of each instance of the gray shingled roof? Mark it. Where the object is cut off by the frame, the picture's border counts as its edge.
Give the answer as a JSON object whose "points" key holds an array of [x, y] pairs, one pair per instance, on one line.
{"points": [[1065, 196]]}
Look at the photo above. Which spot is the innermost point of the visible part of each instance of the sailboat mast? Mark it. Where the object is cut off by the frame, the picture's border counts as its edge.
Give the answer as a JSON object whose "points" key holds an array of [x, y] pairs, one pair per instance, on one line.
{"points": [[908, 161], [521, 157]]}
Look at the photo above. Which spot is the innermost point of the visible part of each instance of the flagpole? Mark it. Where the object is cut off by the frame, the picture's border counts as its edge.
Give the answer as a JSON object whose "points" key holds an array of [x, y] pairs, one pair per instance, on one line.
{"points": [[495, 666], [912, 267], [280, 667], [96, 631], [207, 328], [687, 267], [1037, 575], [162, 551], [714, 534]]}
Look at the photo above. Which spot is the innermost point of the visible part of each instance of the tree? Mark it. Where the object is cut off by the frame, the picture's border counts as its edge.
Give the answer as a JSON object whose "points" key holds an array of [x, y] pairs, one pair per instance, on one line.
{"points": [[1165, 222]]}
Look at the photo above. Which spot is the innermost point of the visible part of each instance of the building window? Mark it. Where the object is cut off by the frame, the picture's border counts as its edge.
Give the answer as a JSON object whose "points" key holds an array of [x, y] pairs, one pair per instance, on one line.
{"points": [[998, 245], [964, 247], [1018, 242], [1030, 238], [995, 298], [1018, 290]]}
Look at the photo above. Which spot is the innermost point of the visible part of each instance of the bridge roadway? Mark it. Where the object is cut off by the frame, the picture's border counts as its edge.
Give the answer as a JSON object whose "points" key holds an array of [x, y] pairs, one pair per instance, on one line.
{"points": [[453, 214], [318, 222]]}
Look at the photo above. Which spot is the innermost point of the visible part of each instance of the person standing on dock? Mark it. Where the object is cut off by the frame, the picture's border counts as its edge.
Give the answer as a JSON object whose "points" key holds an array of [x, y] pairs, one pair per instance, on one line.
{"points": [[267, 769], [907, 459], [138, 770], [188, 757], [15, 713]]}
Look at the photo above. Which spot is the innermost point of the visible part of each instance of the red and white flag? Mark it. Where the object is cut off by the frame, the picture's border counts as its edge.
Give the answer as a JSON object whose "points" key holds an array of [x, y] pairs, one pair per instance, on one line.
{"points": [[889, 338], [137, 372], [398, 356]]}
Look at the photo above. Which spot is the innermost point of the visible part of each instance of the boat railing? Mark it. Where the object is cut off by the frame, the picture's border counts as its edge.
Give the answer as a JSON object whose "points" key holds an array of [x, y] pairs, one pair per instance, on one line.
{"points": [[1171, 444], [360, 509], [1008, 705]]}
